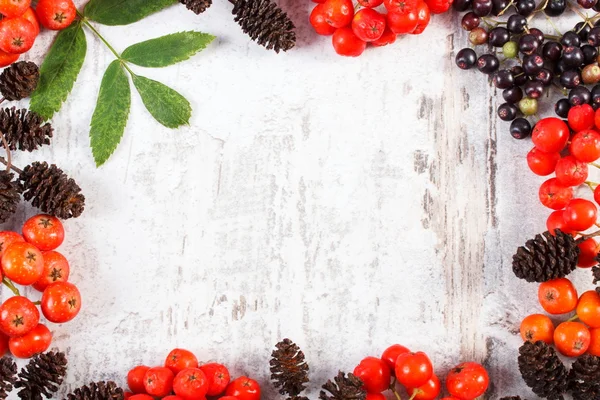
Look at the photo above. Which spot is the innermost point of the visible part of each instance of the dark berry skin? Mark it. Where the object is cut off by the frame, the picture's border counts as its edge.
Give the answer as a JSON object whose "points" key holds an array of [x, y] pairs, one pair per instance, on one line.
{"points": [[528, 44], [534, 89], [482, 7], [507, 112], [533, 64], [580, 95], [573, 57], [519, 75], [503, 79], [560, 67], [570, 39], [554, 8], [593, 38], [498, 36], [590, 53], [461, 5], [470, 21], [562, 107], [570, 79], [520, 128], [552, 51], [466, 58], [516, 23], [596, 96], [539, 35], [512, 95], [545, 76], [498, 6], [582, 29], [587, 4], [525, 7], [488, 63]]}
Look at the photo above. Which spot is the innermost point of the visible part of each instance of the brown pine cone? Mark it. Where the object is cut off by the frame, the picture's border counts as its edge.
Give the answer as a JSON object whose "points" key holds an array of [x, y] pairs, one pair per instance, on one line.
{"points": [[196, 6], [289, 370], [265, 23], [344, 388], [19, 80], [546, 257], [584, 378], [97, 391], [542, 370], [8, 376], [51, 190], [24, 130], [10, 195], [42, 376], [511, 398]]}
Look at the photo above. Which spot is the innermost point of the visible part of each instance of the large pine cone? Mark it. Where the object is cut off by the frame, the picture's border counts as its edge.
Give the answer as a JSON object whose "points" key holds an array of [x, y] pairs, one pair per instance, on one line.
{"points": [[542, 370], [24, 130], [196, 6], [584, 378], [343, 388], [265, 23], [97, 391], [546, 257], [289, 370], [19, 80], [10, 195], [51, 190], [42, 376], [8, 376]]}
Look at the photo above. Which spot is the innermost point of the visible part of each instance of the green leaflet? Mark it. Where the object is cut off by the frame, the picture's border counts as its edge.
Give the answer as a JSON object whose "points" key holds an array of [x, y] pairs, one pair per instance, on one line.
{"points": [[59, 71], [166, 105], [123, 12], [167, 50], [111, 113]]}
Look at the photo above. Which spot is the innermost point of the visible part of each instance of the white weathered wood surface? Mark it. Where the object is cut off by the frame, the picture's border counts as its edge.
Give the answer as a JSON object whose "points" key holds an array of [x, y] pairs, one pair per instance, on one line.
{"points": [[345, 203]]}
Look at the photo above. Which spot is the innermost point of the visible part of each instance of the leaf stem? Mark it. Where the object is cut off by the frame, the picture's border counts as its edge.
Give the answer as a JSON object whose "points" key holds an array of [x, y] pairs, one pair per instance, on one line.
{"points": [[91, 27], [11, 286]]}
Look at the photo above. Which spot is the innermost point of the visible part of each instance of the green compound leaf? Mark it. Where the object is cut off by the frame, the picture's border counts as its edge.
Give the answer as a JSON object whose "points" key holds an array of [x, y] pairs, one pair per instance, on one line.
{"points": [[166, 105], [167, 50], [123, 12], [111, 113], [59, 71]]}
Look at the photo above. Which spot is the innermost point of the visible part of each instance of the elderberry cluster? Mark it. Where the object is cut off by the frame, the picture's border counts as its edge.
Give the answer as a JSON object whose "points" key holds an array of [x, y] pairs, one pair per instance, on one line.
{"points": [[525, 63]]}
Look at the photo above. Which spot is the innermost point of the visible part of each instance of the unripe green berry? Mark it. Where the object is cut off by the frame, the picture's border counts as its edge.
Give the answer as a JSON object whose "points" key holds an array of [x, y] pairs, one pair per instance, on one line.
{"points": [[528, 106], [510, 49]]}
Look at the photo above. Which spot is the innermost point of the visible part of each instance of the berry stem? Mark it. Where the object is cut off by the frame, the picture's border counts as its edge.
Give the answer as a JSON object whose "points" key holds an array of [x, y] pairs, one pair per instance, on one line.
{"points": [[17, 170], [38, 303], [553, 26], [591, 185], [415, 393], [595, 165], [8, 155], [393, 389], [573, 318], [506, 8], [591, 235], [11, 286]]}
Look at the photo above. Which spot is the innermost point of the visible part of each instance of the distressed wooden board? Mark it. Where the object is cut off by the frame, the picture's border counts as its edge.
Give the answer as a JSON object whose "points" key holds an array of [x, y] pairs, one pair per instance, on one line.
{"points": [[345, 203]]}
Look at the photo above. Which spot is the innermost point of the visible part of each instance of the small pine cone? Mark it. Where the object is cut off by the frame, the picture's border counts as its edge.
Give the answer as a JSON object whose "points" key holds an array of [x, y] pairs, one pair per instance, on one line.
{"points": [[344, 388], [42, 376], [596, 273], [196, 6], [511, 398], [24, 130], [584, 378], [265, 23], [19, 80], [51, 190], [10, 196], [8, 376], [97, 391], [289, 371], [546, 257], [542, 370]]}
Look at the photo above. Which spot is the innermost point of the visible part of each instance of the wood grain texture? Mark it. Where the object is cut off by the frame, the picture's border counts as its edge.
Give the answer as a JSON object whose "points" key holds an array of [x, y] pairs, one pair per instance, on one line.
{"points": [[345, 203]]}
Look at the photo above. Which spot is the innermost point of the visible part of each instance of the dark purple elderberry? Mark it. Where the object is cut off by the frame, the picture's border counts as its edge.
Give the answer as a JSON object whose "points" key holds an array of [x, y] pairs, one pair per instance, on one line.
{"points": [[562, 107], [503, 79], [533, 89], [488, 63], [470, 21], [516, 23], [520, 128], [498, 36], [519, 75], [590, 53], [593, 38], [532, 64], [582, 29], [525, 7], [570, 39], [482, 7], [587, 4], [554, 8], [595, 97], [539, 35], [466, 58], [498, 6], [507, 112], [580, 95], [461, 5], [560, 67], [573, 57], [570, 78], [545, 76], [552, 51], [478, 36], [512, 95], [596, 8], [528, 44]]}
